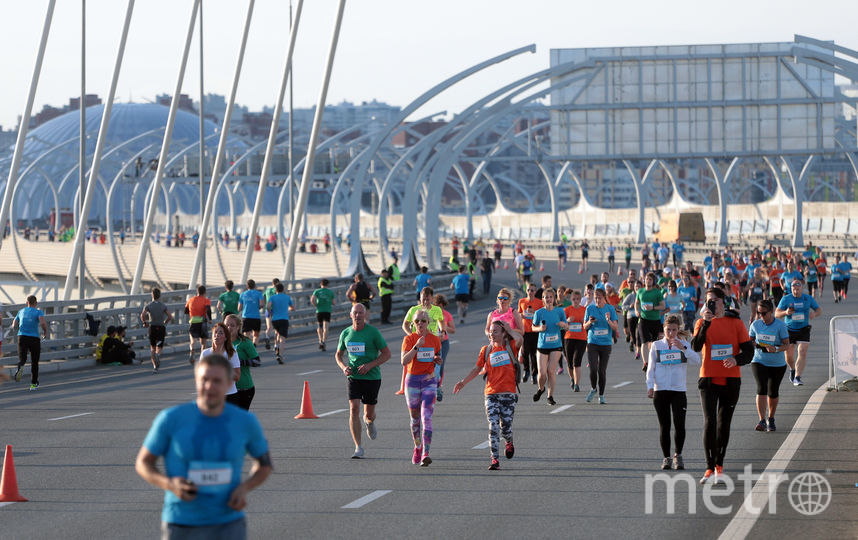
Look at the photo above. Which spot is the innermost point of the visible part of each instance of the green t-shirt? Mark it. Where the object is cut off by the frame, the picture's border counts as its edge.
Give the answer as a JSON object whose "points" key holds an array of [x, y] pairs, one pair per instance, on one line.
{"points": [[269, 292], [436, 317], [324, 300], [230, 302], [363, 346], [246, 351], [650, 299]]}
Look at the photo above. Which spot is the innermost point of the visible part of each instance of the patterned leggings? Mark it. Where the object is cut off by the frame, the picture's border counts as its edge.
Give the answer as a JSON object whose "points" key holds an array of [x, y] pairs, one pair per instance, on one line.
{"points": [[500, 409], [420, 392]]}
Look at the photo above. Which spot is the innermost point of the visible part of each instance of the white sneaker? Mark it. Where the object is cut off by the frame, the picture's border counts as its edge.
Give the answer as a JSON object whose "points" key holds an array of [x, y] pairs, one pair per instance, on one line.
{"points": [[358, 453], [371, 430]]}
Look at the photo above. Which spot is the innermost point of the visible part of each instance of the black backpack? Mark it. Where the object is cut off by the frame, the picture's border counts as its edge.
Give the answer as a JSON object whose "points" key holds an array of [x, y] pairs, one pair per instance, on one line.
{"points": [[91, 325]]}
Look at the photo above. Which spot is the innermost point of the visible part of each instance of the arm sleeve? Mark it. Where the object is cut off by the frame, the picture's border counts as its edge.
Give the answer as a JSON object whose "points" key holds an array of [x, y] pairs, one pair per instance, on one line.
{"points": [[746, 353], [699, 339]]}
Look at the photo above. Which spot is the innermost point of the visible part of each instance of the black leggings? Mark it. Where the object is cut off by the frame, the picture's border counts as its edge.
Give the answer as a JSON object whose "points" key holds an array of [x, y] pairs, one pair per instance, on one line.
{"points": [[242, 398], [768, 379], [528, 352], [574, 349], [719, 403], [597, 356], [665, 403], [32, 345], [633, 331]]}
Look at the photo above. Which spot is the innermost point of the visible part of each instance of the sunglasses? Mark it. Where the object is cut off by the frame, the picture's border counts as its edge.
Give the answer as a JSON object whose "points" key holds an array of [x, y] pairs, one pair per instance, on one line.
{"points": [[421, 320], [503, 297], [763, 312]]}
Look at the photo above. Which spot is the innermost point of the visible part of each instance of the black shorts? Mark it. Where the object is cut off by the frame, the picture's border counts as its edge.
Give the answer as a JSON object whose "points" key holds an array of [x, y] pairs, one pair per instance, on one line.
{"points": [[811, 286], [281, 326], [251, 325], [463, 298], [574, 349], [800, 336], [199, 330], [323, 316], [837, 285], [549, 351], [649, 330], [157, 335], [768, 379], [366, 390]]}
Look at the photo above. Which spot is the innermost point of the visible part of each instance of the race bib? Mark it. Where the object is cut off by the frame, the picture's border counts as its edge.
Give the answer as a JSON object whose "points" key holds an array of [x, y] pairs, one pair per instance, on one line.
{"points": [[355, 348], [722, 352], [600, 332], [685, 295], [798, 317], [499, 358], [425, 354], [758, 290], [646, 306], [552, 338], [670, 356], [210, 476], [575, 327], [766, 339], [528, 314]]}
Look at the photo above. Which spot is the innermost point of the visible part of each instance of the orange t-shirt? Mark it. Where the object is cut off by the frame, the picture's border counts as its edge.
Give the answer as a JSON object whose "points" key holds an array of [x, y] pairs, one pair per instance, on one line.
{"points": [[722, 341], [197, 306], [775, 277], [576, 315], [523, 304], [424, 362], [500, 371], [820, 267]]}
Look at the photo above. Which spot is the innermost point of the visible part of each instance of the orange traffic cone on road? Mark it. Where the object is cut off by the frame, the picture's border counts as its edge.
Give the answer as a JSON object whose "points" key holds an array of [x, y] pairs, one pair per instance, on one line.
{"points": [[9, 482], [306, 404], [401, 390]]}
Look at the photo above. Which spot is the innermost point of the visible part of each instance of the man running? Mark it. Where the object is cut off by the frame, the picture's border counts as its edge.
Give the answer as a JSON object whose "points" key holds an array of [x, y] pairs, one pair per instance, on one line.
{"points": [[323, 301], [267, 294], [797, 309], [360, 352], [156, 316], [250, 303], [199, 308], [227, 302], [279, 306], [461, 284], [27, 324]]}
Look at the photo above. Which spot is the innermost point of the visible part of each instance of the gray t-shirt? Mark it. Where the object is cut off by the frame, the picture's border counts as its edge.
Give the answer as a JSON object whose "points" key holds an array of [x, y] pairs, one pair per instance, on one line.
{"points": [[157, 313]]}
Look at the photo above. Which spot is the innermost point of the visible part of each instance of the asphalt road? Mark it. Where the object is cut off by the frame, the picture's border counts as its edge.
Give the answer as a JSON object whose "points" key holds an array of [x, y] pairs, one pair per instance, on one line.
{"points": [[579, 471]]}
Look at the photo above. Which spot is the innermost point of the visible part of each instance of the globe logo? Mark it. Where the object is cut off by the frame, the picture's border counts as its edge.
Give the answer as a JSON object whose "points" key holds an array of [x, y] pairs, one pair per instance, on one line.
{"points": [[809, 493]]}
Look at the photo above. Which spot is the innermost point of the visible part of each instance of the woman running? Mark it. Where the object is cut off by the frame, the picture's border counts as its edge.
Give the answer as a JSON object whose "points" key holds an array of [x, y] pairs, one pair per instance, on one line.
{"points": [[526, 308], [247, 357], [498, 361], [757, 292], [575, 342], [511, 318], [771, 339], [600, 325], [665, 382], [223, 346], [421, 351], [550, 322], [649, 304], [449, 328]]}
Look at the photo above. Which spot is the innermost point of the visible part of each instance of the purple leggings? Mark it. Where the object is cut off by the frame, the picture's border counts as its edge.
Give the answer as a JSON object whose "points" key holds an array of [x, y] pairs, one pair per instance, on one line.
{"points": [[420, 392]]}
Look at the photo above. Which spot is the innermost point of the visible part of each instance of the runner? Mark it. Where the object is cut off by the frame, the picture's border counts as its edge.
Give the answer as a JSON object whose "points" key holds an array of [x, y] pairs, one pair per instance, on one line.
{"points": [[227, 302], [771, 339], [249, 304], [204, 493], [797, 309], [498, 361], [279, 305], [725, 345], [222, 346], [665, 382], [461, 285], [611, 256], [845, 274], [648, 305], [498, 251], [600, 324], [812, 278], [631, 322], [673, 302], [199, 308], [628, 255], [756, 290], [156, 316], [575, 339], [436, 314], [267, 294], [323, 300], [27, 323], [550, 324], [421, 352], [822, 271], [360, 352], [449, 328], [510, 318], [422, 280], [585, 254], [247, 357], [526, 308], [561, 256], [689, 295], [361, 292]]}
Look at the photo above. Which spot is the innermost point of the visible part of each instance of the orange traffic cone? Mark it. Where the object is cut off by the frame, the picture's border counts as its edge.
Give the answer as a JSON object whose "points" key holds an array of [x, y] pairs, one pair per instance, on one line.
{"points": [[306, 404], [9, 482], [542, 267], [401, 390]]}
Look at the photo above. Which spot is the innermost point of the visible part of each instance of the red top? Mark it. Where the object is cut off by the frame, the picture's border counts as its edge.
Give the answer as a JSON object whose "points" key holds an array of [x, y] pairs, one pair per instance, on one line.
{"points": [[424, 362], [722, 341], [523, 304], [576, 316], [500, 371]]}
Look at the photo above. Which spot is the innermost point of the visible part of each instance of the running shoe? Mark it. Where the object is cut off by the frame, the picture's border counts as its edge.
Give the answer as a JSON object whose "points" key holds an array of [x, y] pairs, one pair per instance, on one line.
{"points": [[415, 458], [643, 368], [154, 371], [191, 358], [602, 400], [371, 430], [439, 394], [771, 424], [19, 373], [590, 395], [797, 381], [560, 371], [323, 347], [267, 343], [637, 356], [34, 386], [525, 376], [706, 476], [576, 388], [666, 463], [792, 376], [551, 400], [678, 464], [495, 465], [761, 425], [358, 453], [533, 379], [719, 475], [461, 321], [279, 359], [538, 394], [426, 461], [631, 347], [510, 450]]}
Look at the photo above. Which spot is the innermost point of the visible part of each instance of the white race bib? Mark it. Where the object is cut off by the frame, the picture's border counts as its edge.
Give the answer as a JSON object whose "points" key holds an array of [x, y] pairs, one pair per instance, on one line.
{"points": [[210, 476], [722, 352], [600, 332], [355, 348], [552, 338], [576, 327], [670, 356], [499, 358], [798, 317], [425, 354], [766, 339], [646, 306]]}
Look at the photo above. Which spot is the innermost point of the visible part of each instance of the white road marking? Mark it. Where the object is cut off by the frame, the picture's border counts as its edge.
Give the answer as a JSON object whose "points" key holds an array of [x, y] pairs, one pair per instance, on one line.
{"points": [[366, 499], [453, 341], [70, 416], [482, 445], [742, 523], [561, 409], [331, 412], [626, 383], [310, 372], [2, 504]]}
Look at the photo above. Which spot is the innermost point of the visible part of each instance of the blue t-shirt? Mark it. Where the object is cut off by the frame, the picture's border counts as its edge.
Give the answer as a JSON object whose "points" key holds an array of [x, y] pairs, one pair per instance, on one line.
{"points": [[802, 305], [789, 277], [771, 334], [673, 302], [600, 332], [835, 272], [550, 338], [461, 282], [812, 274], [689, 295], [280, 304], [422, 281], [843, 268], [28, 321], [209, 451], [561, 250], [250, 303]]}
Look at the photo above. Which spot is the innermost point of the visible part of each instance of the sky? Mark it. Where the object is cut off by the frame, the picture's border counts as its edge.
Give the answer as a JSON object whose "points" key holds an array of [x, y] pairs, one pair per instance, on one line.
{"points": [[389, 50]]}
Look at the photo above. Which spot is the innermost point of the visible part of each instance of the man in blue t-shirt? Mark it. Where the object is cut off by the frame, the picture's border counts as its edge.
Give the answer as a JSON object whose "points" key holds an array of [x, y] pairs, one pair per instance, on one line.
{"points": [[27, 323], [845, 269], [797, 309], [837, 279], [249, 304], [789, 275], [203, 444], [279, 305], [423, 280], [461, 284]]}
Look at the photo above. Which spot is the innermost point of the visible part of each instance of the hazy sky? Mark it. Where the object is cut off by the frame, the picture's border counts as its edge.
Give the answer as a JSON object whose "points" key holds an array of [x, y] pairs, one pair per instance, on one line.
{"points": [[390, 50]]}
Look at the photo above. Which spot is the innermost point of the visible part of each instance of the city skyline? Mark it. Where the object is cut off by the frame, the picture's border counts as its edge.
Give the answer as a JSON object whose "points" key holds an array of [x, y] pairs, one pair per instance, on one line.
{"points": [[387, 51]]}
